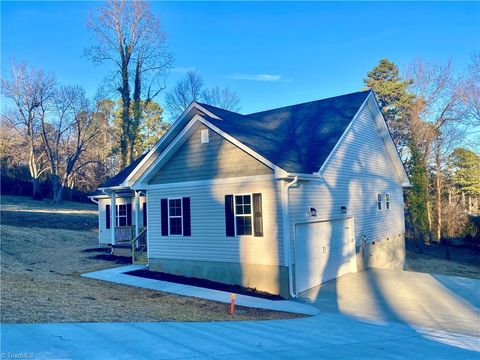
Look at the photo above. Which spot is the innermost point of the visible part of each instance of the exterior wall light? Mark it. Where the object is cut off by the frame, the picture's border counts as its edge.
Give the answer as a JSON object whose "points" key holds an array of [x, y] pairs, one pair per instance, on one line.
{"points": [[343, 209], [313, 211]]}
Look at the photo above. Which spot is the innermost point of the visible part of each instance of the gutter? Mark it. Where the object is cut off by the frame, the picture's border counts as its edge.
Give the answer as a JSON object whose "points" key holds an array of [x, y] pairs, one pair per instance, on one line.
{"points": [[286, 235]]}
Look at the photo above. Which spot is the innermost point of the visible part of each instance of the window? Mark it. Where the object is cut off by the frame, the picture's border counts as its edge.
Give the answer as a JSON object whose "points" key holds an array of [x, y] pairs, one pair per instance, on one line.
{"points": [[379, 201], [121, 218], [243, 214], [204, 136], [175, 216], [387, 201]]}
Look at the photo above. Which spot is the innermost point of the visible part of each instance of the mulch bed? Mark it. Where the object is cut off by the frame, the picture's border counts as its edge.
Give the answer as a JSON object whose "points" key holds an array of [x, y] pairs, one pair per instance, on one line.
{"points": [[237, 289]]}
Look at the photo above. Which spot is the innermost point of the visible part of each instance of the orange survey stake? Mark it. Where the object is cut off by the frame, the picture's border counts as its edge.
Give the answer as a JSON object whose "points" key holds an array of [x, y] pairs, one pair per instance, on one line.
{"points": [[232, 304]]}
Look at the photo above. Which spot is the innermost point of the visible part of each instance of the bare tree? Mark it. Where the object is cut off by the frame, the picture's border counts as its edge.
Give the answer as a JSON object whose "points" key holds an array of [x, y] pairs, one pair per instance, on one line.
{"points": [[440, 103], [29, 89], [191, 88], [222, 97], [183, 93], [130, 37], [472, 90], [68, 127]]}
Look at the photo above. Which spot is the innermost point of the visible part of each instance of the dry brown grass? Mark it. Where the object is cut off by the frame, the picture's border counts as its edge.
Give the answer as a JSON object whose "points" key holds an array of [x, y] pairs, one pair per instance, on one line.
{"points": [[42, 257], [463, 262]]}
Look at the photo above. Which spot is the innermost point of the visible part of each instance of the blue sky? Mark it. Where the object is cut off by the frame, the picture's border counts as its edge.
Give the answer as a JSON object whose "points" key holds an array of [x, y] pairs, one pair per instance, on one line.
{"points": [[306, 50]]}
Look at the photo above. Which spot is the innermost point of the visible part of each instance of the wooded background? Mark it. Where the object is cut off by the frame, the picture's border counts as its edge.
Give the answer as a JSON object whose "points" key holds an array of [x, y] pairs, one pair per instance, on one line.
{"points": [[56, 142]]}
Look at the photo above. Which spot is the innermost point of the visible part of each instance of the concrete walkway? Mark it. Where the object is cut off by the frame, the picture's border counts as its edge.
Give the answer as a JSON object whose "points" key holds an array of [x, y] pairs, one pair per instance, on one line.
{"points": [[393, 327], [117, 275]]}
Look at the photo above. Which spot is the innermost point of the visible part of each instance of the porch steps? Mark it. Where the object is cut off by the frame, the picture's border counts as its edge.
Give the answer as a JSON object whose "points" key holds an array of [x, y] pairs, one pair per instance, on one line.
{"points": [[141, 258]]}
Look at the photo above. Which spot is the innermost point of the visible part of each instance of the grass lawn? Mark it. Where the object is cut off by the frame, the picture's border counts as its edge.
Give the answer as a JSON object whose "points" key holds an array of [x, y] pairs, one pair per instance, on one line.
{"points": [[44, 249]]}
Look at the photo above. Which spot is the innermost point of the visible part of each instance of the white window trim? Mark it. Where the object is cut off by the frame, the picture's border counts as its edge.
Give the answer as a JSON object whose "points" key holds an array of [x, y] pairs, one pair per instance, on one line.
{"points": [[387, 202], [118, 216], [378, 202], [175, 216], [243, 215]]}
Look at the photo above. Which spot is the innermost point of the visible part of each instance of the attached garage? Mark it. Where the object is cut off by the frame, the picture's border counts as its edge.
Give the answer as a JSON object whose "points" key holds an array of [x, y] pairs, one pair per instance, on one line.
{"points": [[324, 250]]}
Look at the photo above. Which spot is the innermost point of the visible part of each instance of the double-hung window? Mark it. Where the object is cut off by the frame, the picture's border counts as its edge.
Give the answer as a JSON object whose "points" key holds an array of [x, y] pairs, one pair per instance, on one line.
{"points": [[175, 217], [121, 218], [387, 201], [175, 221], [243, 214], [379, 201]]}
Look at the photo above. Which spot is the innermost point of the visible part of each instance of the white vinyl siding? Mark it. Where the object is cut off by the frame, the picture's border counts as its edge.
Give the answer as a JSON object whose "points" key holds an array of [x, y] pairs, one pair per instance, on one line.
{"points": [[359, 170], [104, 235], [218, 158], [208, 241]]}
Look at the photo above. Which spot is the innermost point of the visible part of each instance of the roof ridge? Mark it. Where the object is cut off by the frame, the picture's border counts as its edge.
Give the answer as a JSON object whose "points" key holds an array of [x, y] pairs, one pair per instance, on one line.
{"points": [[308, 102]]}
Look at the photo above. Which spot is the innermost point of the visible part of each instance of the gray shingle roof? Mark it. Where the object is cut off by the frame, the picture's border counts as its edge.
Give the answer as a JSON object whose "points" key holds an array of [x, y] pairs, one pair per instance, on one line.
{"points": [[296, 138], [122, 175]]}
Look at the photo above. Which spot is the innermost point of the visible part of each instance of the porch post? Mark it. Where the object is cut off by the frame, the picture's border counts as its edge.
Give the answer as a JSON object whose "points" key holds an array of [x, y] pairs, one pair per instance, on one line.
{"points": [[137, 212], [113, 216]]}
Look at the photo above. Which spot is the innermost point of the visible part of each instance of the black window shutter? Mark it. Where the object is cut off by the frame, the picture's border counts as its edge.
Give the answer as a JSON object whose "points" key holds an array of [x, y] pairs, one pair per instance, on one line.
{"points": [[164, 211], [129, 214], [229, 216], [144, 214], [107, 217], [257, 215], [187, 227]]}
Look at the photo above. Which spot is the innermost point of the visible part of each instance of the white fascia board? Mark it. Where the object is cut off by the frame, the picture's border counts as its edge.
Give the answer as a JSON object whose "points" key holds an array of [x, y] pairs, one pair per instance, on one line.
{"points": [[279, 172], [163, 139], [340, 141], [208, 113], [388, 141], [114, 188], [185, 184]]}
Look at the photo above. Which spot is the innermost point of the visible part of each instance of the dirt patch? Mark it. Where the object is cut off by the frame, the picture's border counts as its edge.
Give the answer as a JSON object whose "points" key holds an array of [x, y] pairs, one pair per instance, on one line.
{"points": [[114, 258], [203, 283], [41, 282], [463, 262]]}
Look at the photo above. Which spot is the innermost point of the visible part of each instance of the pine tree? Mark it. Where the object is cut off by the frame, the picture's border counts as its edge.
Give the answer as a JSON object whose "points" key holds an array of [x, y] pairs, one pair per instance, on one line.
{"points": [[394, 99], [466, 171]]}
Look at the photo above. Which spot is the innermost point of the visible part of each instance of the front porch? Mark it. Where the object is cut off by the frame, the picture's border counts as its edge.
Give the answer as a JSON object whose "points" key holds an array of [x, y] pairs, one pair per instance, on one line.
{"points": [[127, 244], [128, 230]]}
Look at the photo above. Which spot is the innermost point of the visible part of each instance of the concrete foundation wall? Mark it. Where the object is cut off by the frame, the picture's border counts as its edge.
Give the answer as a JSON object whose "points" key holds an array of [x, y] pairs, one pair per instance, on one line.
{"points": [[386, 253], [270, 278]]}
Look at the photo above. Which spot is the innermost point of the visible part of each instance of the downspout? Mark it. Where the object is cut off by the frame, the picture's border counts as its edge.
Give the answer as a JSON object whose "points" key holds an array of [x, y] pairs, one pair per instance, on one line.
{"points": [[287, 244]]}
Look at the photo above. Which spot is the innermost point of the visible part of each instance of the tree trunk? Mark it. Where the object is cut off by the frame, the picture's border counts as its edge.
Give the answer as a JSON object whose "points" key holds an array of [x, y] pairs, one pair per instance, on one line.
{"points": [[438, 196], [429, 217], [56, 189], [137, 111], [36, 195], [57, 196], [124, 137]]}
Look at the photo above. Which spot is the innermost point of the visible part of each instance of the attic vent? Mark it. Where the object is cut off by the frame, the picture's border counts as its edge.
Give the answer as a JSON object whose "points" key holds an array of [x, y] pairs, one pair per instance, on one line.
{"points": [[204, 136]]}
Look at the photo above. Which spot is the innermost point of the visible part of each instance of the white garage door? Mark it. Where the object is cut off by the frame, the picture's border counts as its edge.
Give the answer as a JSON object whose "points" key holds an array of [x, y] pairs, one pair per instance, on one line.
{"points": [[324, 250]]}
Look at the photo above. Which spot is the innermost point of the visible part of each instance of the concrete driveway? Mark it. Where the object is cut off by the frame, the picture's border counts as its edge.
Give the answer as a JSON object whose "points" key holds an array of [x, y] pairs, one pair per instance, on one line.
{"points": [[439, 302], [372, 315]]}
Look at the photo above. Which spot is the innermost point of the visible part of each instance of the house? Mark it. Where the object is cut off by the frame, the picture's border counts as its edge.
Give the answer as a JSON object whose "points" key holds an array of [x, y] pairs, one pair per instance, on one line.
{"points": [[280, 200]]}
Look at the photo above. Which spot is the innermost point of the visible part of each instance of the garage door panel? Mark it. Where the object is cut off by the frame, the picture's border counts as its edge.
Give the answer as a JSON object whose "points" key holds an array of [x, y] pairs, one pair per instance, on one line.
{"points": [[323, 251]]}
